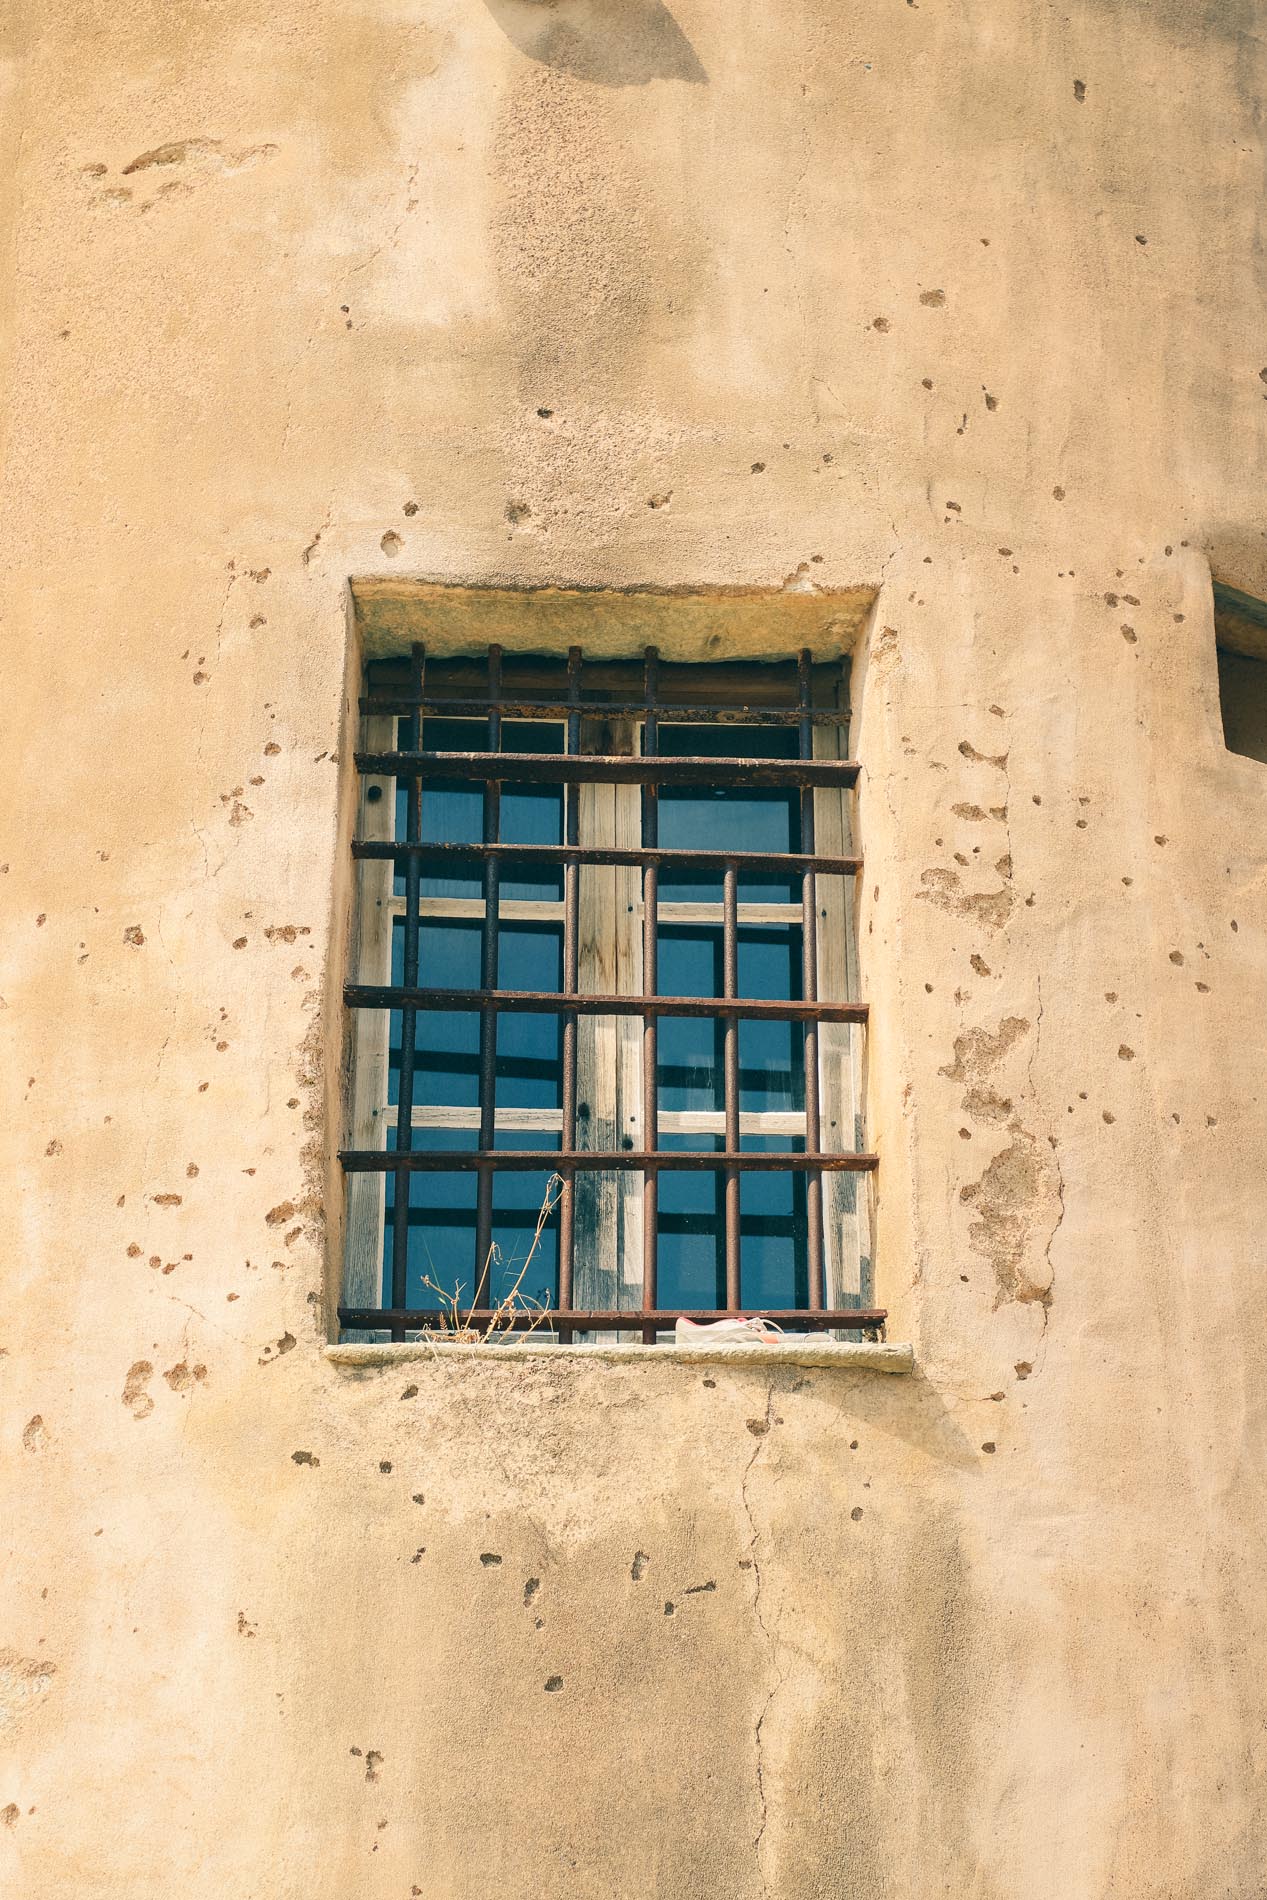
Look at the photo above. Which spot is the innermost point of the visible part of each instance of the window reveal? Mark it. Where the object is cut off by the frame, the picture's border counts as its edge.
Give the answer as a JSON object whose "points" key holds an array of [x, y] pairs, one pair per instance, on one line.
{"points": [[599, 903]]}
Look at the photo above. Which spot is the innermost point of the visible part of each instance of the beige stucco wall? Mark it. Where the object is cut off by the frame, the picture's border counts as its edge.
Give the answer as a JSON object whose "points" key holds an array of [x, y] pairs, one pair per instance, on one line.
{"points": [[963, 297]]}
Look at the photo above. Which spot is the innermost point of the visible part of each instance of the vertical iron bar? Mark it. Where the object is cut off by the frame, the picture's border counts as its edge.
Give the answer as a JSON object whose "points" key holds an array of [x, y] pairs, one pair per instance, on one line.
{"points": [[730, 989], [650, 983], [488, 981], [408, 1022], [809, 992], [571, 967]]}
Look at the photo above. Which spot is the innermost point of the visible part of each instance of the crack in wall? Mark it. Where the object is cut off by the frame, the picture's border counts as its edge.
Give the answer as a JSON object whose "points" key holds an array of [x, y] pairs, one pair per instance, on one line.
{"points": [[218, 639], [163, 1046], [794, 191], [763, 1626], [888, 561], [292, 377]]}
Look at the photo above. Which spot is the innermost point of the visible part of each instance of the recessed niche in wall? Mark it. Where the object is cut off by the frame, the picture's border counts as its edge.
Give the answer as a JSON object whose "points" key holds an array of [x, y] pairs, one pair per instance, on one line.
{"points": [[1240, 626], [559, 786]]}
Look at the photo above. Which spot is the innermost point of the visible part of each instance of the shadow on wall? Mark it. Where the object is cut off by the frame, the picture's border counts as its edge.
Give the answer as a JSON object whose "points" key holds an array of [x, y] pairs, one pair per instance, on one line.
{"points": [[611, 42], [1191, 21]]}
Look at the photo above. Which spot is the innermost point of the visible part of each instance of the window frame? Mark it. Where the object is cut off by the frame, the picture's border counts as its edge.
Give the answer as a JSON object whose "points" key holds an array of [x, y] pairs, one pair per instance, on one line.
{"points": [[610, 913]]}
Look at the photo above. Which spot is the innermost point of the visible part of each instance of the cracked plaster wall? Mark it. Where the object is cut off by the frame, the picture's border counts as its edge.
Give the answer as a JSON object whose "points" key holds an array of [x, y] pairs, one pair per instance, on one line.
{"points": [[961, 301]]}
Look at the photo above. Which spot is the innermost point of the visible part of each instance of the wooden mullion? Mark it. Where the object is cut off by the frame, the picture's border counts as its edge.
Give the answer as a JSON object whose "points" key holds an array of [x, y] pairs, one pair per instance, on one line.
{"points": [[366, 1203], [839, 1043]]}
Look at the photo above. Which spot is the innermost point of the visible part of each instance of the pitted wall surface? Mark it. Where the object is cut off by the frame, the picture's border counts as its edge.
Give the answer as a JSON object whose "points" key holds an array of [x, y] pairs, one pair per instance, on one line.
{"points": [[953, 309]]}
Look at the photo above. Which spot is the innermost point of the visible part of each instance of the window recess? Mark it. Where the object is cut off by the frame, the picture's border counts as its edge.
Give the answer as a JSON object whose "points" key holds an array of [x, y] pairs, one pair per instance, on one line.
{"points": [[605, 934], [1240, 629]]}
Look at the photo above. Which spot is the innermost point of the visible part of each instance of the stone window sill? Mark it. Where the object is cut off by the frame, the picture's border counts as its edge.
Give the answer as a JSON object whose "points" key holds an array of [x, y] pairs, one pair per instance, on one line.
{"points": [[843, 1355]]}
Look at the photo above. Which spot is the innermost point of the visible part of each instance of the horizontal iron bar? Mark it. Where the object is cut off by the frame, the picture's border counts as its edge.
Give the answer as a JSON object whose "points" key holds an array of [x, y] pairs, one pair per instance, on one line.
{"points": [[726, 712], [844, 1319], [602, 1161], [554, 1002], [439, 855], [552, 768]]}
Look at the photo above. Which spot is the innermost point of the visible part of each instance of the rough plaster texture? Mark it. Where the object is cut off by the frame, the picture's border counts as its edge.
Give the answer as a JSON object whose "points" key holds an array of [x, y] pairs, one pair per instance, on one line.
{"points": [[958, 300]]}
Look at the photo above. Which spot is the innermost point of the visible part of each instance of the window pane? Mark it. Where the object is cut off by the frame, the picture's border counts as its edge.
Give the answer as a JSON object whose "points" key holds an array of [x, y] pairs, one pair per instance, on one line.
{"points": [[729, 818], [689, 956], [528, 1057], [442, 1229], [772, 1224], [771, 1054], [448, 954], [691, 1258], [453, 811], [441, 1226], [446, 1042], [528, 1064], [530, 957], [689, 1062], [446, 1059], [517, 1203], [532, 814]]}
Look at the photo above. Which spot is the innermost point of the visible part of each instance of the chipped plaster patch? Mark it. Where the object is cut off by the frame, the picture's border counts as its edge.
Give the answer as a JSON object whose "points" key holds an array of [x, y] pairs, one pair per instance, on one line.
{"points": [[23, 1681]]}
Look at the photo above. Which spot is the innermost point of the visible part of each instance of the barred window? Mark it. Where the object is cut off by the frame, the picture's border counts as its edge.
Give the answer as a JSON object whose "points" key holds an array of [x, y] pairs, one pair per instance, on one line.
{"points": [[606, 1052]]}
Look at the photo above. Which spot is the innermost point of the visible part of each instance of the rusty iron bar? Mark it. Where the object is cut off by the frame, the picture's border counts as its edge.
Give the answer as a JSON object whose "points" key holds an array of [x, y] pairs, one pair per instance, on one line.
{"points": [[552, 768], [551, 1002], [489, 944], [730, 1077], [571, 982], [650, 982], [408, 1029], [557, 1161], [843, 1319], [706, 712], [809, 991], [545, 855]]}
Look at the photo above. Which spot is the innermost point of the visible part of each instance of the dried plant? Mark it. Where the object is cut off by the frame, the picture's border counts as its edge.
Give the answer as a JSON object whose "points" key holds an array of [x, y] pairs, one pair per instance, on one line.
{"points": [[516, 1313]]}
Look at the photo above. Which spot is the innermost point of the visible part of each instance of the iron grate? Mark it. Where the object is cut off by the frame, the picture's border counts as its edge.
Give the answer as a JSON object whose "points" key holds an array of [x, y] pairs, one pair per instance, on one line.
{"points": [[651, 771]]}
